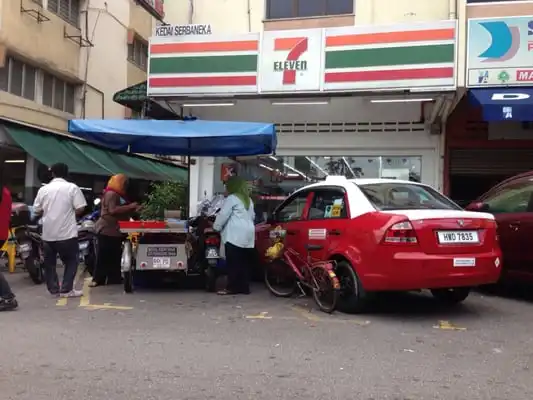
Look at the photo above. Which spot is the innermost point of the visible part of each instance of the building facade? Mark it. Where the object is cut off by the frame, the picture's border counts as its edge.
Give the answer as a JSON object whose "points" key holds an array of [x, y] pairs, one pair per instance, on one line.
{"points": [[490, 134], [358, 88], [64, 59]]}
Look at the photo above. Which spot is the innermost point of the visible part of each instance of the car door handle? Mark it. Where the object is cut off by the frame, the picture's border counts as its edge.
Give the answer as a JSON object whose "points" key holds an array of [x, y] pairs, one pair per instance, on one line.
{"points": [[514, 225], [335, 232]]}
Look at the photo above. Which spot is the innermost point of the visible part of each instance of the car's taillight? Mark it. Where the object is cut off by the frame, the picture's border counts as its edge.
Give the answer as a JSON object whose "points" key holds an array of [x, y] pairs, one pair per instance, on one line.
{"points": [[212, 241], [401, 233]]}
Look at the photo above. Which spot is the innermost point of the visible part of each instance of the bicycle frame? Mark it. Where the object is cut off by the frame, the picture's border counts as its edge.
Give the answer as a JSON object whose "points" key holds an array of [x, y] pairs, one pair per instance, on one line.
{"points": [[304, 272]]}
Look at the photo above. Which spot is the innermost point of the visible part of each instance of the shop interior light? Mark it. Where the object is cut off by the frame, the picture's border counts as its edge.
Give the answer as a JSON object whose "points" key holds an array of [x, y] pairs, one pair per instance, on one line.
{"points": [[317, 166], [227, 104], [15, 161], [298, 172], [273, 158], [402, 100], [266, 167], [301, 103]]}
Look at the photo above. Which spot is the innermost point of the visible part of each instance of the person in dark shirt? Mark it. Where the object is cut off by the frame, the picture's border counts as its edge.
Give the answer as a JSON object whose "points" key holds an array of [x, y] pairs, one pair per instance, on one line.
{"points": [[7, 298]]}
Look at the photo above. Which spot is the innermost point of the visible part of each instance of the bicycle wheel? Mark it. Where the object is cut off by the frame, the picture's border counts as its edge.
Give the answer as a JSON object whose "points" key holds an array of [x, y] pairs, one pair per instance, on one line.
{"points": [[280, 279], [326, 292]]}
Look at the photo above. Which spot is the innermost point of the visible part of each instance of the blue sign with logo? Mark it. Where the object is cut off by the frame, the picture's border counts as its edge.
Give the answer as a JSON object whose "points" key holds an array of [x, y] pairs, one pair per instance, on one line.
{"points": [[504, 104], [500, 52]]}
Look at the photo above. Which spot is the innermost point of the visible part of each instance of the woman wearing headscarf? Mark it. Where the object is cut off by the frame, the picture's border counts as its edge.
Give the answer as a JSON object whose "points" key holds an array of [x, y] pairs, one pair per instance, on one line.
{"points": [[235, 221], [114, 208]]}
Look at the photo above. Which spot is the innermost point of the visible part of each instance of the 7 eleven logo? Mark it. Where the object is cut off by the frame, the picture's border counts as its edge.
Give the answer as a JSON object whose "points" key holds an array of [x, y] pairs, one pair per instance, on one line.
{"points": [[292, 63]]}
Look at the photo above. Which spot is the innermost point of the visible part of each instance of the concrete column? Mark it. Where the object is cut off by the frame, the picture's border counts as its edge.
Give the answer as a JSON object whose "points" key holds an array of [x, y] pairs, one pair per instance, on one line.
{"points": [[31, 180], [201, 184]]}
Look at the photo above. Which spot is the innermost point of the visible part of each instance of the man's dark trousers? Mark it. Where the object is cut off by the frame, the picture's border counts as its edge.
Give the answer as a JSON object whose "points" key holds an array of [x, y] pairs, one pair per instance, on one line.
{"points": [[68, 251]]}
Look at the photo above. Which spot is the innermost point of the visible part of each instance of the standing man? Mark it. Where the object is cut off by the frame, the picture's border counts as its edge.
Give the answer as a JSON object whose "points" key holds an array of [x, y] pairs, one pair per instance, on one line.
{"points": [[59, 202], [7, 298]]}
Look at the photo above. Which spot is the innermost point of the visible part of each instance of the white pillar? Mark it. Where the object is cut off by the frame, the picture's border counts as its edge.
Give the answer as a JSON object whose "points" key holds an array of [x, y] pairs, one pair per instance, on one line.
{"points": [[201, 184], [31, 180]]}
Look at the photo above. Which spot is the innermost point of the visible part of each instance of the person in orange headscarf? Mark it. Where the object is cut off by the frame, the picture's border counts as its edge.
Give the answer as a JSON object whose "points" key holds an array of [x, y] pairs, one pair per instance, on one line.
{"points": [[114, 207]]}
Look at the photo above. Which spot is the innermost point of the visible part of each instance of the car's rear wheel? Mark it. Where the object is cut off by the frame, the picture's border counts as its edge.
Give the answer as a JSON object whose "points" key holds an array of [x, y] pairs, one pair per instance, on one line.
{"points": [[451, 295], [352, 297]]}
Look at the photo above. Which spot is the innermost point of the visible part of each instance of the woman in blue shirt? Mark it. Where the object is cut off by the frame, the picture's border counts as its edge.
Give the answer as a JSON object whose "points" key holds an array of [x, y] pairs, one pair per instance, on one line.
{"points": [[235, 221]]}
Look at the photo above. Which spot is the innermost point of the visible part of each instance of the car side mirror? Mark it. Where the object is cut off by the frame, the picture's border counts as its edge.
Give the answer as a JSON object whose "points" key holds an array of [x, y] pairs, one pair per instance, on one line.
{"points": [[478, 206]]}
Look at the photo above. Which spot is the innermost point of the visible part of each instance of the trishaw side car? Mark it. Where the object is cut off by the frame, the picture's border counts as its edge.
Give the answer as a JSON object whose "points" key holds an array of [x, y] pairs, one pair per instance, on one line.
{"points": [[163, 247]]}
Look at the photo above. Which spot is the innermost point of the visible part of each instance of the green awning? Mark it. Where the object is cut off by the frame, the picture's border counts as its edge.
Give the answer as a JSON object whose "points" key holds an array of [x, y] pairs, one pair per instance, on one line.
{"points": [[85, 158], [135, 98]]}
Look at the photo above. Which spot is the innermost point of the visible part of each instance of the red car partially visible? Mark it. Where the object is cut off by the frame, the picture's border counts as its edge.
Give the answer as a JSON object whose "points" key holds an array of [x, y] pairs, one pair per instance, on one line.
{"points": [[511, 203]]}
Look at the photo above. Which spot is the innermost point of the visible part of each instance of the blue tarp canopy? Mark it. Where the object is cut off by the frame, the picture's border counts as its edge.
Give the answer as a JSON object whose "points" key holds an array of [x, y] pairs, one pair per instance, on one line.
{"points": [[195, 138], [504, 104]]}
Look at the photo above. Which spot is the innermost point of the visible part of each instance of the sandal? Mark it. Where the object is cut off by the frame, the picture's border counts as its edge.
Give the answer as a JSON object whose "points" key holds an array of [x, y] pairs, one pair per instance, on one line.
{"points": [[225, 292]]}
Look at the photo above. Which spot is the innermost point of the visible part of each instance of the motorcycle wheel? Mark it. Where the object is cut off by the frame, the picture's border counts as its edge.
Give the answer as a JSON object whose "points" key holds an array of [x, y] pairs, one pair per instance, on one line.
{"points": [[128, 281], [35, 269]]}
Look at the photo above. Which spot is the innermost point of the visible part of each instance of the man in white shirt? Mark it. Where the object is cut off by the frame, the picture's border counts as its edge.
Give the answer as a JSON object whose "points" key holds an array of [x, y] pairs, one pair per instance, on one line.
{"points": [[59, 202]]}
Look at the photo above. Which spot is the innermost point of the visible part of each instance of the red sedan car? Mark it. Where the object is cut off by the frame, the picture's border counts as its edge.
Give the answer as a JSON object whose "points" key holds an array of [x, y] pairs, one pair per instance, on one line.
{"points": [[389, 235], [511, 203]]}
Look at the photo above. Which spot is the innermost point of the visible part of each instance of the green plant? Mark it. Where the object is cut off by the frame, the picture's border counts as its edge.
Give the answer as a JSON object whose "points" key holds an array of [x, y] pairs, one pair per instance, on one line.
{"points": [[164, 196]]}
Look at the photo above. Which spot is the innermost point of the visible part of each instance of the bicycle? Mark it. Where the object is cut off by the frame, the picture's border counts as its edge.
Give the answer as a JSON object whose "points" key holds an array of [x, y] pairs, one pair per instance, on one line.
{"points": [[287, 271]]}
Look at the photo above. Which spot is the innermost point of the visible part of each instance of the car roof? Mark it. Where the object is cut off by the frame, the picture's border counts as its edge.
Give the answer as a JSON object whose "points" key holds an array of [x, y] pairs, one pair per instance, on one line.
{"points": [[338, 180]]}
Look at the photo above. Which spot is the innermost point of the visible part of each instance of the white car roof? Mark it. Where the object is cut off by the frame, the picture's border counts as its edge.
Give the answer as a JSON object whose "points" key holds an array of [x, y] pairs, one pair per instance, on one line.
{"points": [[339, 180]]}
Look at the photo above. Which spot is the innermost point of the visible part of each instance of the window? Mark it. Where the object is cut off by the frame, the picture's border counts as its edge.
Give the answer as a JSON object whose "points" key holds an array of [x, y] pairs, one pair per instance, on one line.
{"points": [[69, 10], [404, 196], [18, 78], [327, 204], [58, 94], [277, 9], [512, 199], [138, 53], [293, 209]]}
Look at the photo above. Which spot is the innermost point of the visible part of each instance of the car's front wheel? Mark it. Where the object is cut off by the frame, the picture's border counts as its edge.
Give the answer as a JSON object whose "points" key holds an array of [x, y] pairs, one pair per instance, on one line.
{"points": [[352, 297], [451, 295]]}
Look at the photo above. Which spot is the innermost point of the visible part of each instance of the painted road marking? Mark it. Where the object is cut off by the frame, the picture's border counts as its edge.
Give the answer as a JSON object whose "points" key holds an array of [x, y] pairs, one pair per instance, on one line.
{"points": [[61, 302], [446, 325], [106, 306], [85, 299], [261, 315], [64, 300], [306, 314]]}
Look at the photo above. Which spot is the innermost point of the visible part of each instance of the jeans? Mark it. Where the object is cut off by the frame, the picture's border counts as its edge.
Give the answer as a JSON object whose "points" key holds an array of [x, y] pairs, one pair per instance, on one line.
{"points": [[68, 251], [5, 289]]}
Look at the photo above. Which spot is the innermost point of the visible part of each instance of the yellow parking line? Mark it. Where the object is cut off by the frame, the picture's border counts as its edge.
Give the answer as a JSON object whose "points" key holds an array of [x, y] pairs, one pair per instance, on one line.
{"points": [[306, 314], [62, 302], [261, 315], [106, 306], [85, 299], [447, 325]]}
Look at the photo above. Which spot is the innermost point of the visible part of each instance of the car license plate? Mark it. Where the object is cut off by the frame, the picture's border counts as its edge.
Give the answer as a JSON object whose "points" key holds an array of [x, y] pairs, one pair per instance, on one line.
{"points": [[84, 245], [452, 237], [464, 262], [211, 253], [161, 262]]}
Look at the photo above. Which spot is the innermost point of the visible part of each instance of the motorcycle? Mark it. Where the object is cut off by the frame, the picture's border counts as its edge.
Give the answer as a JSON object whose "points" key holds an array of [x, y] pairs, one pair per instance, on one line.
{"points": [[28, 241], [203, 243], [87, 242]]}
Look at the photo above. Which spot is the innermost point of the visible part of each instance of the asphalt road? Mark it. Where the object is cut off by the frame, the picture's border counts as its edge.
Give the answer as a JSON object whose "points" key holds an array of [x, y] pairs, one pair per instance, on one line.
{"points": [[187, 345]]}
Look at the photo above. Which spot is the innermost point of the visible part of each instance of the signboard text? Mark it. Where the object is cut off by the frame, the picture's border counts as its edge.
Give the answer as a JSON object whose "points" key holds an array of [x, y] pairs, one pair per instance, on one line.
{"points": [[182, 30]]}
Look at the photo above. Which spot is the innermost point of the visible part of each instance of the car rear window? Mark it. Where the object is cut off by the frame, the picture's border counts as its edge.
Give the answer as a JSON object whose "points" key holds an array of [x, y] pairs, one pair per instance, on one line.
{"points": [[405, 196]]}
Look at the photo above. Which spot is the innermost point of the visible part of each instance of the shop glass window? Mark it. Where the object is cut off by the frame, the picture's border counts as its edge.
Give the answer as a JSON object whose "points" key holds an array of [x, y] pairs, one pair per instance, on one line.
{"points": [[30, 74], [17, 74], [278, 9], [18, 78], [69, 10], [292, 211], [405, 196], [48, 90], [328, 204], [512, 199]]}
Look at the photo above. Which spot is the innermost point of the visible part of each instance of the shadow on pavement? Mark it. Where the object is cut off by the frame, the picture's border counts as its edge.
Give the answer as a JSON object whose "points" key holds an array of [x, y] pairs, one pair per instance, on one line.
{"points": [[520, 292]]}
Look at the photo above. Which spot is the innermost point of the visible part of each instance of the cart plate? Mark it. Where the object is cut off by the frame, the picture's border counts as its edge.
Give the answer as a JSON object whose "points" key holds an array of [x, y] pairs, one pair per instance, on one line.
{"points": [[162, 252], [161, 262]]}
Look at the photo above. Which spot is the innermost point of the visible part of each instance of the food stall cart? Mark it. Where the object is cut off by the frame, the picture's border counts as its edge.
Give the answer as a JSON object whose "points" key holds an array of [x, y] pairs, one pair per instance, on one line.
{"points": [[161, 245]]}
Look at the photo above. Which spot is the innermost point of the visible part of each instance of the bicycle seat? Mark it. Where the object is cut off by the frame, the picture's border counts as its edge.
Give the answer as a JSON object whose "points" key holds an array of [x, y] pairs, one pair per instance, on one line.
{"points": [[314, 247]]}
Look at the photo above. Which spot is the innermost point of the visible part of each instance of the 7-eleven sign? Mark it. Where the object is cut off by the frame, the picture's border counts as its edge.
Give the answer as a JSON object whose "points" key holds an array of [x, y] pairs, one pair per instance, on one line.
{"points": [[291, 61]]}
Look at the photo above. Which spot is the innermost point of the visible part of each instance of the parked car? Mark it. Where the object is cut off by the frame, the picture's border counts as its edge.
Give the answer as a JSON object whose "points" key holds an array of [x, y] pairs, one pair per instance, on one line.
{"points": [[511, 203], [389, 235]]}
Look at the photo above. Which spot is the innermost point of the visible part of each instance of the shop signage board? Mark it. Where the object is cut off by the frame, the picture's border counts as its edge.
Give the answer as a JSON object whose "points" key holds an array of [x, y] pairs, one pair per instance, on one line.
{"points": [[291, 61], [203, 64], [164, 30], [500, 52], [397, 57]]}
